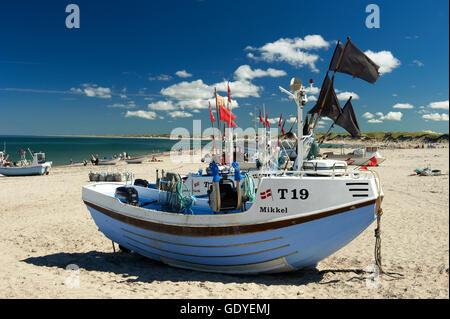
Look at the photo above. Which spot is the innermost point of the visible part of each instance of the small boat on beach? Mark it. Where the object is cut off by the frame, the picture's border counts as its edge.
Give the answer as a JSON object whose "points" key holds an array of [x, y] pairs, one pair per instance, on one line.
{"points": [[358, 157], [37, 166], [112, 161], [136, 160]]}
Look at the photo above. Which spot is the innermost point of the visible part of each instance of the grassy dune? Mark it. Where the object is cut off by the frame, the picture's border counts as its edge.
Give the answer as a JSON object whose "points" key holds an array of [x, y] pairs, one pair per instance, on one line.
{"points": [[420, 137]]}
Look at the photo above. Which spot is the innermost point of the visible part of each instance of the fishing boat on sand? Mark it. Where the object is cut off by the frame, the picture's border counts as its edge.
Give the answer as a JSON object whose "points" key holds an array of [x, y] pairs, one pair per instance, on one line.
{"points": [[358, 157], [288, 220], [111, 161], [136, 160], [37, 166]]}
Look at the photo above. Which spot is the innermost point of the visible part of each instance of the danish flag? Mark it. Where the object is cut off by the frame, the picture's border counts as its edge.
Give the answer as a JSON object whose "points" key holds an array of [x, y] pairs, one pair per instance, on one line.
{"points": [[266, 194]]}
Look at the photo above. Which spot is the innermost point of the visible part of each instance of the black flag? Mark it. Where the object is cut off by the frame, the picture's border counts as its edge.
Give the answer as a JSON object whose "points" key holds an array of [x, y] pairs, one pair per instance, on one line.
{"points": [[354, 62], [331, 108], [306, 126], [348, 119]]}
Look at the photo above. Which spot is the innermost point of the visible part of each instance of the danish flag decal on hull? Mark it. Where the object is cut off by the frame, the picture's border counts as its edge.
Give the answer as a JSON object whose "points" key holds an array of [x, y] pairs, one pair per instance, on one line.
{"points": [[266, 194]]}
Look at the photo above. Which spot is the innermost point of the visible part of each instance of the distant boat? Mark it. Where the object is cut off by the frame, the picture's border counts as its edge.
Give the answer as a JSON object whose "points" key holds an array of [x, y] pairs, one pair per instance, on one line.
{"points": [[112, 161], [136, 160], [359, 157], [38, 166]]}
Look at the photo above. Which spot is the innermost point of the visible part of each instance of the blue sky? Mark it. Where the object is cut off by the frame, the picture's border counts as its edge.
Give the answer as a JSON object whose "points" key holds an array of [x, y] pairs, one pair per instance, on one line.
{"points": [[142, 67]]}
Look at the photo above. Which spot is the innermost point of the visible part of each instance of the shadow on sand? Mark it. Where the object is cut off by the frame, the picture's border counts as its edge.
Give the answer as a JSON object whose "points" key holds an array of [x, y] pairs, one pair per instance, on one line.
{"points": [[135, 268]]}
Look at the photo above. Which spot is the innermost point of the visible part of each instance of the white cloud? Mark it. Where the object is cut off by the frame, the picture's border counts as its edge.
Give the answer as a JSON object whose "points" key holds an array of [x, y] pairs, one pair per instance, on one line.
{"points": [[179, 114], [368, 115], [312, 90], [312, 98], [292, 51], [161, 106], [384, 59], [436, 117], [188, 90], [161, 77], [291, 119], [149, 115], [183, 74], [240, 89], [418, 63], [392, 116], [93, 90], [344, 96], [245, 72], [130, 105], [439, 105], [403, 106]]}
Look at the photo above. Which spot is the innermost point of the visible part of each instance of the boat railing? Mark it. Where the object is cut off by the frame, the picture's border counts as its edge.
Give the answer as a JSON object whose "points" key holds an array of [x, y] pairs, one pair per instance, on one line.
{"points": [[352, 173]]}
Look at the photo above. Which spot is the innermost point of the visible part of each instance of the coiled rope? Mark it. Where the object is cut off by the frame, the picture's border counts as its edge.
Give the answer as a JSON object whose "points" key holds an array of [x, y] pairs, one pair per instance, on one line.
{"points": [[377, 250], [249, 188], [184, 200]]}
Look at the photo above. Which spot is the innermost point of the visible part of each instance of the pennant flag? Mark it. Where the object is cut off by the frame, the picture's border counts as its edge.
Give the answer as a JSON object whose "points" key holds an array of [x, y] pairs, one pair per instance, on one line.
{"points": [[363, 167], [348, 119], [306, 126], [266, 123], [260, 117], [279, 121], [219, 100], [282, 128], [331, 108], [211, 116], [227, 116], [229, 93], [351, 60]]}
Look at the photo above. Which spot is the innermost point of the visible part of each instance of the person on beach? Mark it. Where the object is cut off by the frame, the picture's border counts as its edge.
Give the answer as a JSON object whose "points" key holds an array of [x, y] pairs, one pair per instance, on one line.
{"points": [[155, 160], [94, 160], [84, 162]]}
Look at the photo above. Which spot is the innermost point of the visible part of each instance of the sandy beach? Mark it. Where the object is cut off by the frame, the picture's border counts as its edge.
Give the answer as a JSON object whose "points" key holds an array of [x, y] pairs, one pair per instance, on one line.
{"points": [[45, 227]]}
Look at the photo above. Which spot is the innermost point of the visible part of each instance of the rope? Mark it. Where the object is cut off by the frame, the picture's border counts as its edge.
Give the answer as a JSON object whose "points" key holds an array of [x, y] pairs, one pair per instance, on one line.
{"points": [[184, 200], [377, 250], [249, 187]]}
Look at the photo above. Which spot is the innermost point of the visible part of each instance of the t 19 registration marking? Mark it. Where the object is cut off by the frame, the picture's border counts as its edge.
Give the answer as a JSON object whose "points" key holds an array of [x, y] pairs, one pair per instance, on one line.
{"points": [[294, 193]]}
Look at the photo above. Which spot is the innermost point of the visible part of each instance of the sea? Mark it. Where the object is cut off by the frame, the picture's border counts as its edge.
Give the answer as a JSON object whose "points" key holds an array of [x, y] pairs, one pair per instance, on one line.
{"points": [[62, 149]]}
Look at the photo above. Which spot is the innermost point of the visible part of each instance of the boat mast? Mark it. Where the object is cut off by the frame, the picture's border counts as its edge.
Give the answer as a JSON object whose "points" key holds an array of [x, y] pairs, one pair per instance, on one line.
{"points": [[300, 99]]}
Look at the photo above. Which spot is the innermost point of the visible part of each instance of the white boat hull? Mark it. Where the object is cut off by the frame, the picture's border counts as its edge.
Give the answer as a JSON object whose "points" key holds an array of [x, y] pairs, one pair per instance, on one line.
{"points": [[39, 169], [136, 160], [278, 233], [108, 162]]}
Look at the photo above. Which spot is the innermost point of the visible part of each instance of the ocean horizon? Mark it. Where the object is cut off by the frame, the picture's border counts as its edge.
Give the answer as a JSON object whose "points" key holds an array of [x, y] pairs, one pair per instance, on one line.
{"points": [[62, 149]]}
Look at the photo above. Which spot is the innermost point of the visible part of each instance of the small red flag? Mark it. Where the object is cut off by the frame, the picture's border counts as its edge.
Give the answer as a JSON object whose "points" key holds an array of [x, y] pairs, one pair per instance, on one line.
{"points": [[229, 93], [279, 121], [267, 120], [364, 167], [282, 128], [225, 115], [211, 116], [260, 117]]}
